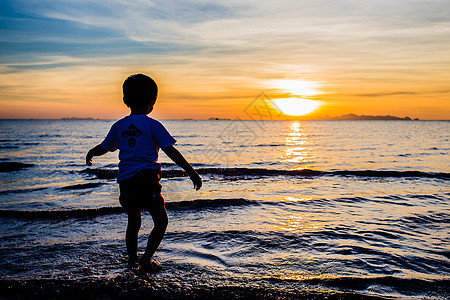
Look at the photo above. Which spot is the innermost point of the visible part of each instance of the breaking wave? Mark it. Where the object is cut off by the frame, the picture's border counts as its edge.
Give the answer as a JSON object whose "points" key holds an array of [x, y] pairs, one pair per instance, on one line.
{"points": [[96, 212], [254, 172]]}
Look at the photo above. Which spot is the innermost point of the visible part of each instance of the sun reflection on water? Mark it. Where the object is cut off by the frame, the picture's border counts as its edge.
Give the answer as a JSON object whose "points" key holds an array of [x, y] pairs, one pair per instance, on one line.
{"points": [[298, 223], [304, 277], [297, 152], [296, 199]]}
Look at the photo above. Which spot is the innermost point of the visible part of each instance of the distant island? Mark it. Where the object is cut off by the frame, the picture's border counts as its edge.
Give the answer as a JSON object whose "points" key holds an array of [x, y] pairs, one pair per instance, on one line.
{"points": [[368, 117], [218, 119], [78, 119]]}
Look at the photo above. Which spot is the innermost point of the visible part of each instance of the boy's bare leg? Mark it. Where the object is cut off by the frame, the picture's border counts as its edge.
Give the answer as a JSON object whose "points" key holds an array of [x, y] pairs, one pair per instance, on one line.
{"points": [[160, 222], [131, 237]]}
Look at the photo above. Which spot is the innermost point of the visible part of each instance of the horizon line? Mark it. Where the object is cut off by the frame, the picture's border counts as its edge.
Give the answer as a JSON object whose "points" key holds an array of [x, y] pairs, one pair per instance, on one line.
{"points": [[209, 119]]}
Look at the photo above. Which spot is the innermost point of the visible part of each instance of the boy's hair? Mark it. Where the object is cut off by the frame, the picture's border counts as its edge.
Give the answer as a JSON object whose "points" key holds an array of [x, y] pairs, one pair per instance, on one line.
{"points": [[139, 90]]}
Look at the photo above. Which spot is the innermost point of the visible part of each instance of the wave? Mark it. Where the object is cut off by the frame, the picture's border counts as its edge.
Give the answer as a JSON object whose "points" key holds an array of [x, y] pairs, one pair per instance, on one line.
{"points": [[61, 214], [209, 203], [102, 173], [97, 212], [50, 135], [30, 144], [20, 191], [10, 166], [431, 219], [382, 285], [82, 186], [174, 165], [250, 172]]}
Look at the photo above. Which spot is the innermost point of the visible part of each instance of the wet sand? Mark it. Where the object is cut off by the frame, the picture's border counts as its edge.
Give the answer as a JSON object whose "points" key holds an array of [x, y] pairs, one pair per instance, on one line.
{"points": [[139, 287]]}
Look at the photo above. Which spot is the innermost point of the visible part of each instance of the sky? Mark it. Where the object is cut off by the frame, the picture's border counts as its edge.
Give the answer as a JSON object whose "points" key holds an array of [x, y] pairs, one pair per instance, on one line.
{"points": [[226, 59]]}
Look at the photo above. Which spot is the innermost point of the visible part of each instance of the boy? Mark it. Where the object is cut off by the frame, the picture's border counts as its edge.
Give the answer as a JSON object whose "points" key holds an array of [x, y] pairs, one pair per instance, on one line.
{"points": [[139, 138]]}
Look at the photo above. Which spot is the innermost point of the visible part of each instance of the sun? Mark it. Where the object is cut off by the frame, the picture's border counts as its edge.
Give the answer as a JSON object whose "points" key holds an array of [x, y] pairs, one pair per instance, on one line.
{"points": [[301, 89], [295, 106]]}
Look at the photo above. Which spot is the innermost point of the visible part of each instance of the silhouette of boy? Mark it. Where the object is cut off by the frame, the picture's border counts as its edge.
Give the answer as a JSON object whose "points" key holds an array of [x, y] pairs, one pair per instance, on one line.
{"points": [[139, 138]]}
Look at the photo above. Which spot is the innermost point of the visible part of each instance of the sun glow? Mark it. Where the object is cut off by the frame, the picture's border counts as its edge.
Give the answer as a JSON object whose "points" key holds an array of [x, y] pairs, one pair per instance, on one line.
{"points": [[295, 106], [296, 87]]}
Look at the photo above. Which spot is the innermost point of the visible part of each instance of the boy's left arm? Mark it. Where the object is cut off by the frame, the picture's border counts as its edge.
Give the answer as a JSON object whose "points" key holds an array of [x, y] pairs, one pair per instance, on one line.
{"points": [[96, 151], [178, 158]]}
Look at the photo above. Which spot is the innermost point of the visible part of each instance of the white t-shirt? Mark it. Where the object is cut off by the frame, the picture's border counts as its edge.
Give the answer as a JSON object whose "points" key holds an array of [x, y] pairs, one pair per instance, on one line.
{"points": [[139, 138]]}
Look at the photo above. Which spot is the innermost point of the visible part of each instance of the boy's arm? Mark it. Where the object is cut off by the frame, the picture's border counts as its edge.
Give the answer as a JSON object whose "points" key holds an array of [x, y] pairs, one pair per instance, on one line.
{"points": [[178, 158], [96, 151]]}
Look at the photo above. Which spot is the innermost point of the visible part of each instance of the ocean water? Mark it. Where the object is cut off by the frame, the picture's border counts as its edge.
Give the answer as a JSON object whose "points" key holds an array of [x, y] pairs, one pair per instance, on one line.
{"points": [[359, 206]]}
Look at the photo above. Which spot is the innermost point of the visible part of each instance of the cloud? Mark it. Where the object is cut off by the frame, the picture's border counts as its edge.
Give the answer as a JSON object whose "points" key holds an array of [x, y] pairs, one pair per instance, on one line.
{"points": [[243, 22], [403, 93], [323, 32], [205, 48]]}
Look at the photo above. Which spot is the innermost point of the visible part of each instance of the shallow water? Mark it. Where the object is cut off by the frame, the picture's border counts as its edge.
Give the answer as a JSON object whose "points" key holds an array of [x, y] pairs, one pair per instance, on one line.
{"points": [[347, 205]]}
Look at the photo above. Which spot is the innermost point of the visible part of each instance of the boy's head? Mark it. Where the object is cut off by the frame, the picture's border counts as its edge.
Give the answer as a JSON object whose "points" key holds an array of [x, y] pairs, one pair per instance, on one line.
{"points": [[139, 90]]}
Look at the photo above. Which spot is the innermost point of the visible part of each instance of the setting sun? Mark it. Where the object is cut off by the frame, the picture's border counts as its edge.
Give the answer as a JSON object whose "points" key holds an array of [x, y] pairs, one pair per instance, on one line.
{"points": [[295, 106]]}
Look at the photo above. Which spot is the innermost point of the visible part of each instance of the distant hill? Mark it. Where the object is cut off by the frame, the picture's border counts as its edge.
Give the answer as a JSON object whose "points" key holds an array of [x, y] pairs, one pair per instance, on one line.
{"points": [[74, 118], [368, 117]]}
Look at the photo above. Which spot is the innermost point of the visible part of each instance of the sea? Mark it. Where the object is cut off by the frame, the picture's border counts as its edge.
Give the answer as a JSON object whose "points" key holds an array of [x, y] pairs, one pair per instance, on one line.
{"points": [[360, 207]]}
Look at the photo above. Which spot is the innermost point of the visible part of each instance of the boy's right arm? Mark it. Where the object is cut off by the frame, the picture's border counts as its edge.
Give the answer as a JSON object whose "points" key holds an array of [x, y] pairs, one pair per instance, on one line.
{"points": [[178, 158], [96, 151]]}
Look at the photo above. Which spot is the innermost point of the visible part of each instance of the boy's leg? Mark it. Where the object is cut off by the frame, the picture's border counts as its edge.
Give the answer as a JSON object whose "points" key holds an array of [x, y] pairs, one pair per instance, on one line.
{"points": [[160, 222], [131, 237]]}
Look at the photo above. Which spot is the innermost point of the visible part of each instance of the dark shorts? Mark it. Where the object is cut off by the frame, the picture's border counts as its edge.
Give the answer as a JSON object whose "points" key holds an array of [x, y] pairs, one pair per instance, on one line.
{"points": [[142, 191]]}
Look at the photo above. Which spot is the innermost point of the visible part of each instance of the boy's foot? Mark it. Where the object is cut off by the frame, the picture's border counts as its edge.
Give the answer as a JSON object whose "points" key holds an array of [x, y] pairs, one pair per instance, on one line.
{"points": [[151, 266], [131, 263]]}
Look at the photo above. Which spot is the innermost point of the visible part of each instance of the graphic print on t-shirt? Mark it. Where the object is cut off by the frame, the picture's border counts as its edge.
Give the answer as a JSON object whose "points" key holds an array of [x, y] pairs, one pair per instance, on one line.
{"points": [[131, 132]]}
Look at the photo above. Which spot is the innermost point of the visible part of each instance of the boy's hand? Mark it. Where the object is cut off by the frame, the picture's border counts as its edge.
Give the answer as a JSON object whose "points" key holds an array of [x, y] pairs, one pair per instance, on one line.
{"points": [[196, 180], [89, 159], [96, 151]]}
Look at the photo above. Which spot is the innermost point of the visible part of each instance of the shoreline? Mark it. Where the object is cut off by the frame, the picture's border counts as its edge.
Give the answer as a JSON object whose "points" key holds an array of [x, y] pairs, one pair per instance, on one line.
{"points": [[126, 287]]}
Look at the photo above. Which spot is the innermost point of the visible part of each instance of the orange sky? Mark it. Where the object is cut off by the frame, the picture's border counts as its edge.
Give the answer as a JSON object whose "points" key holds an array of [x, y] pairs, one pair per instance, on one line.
{"points": [[213, 60]]}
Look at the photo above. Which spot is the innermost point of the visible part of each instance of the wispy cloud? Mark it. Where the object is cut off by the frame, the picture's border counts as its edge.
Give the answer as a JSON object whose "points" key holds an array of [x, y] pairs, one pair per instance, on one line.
{"points": [[236, 45], [289, 32], [403, 93], [248, 22]]}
